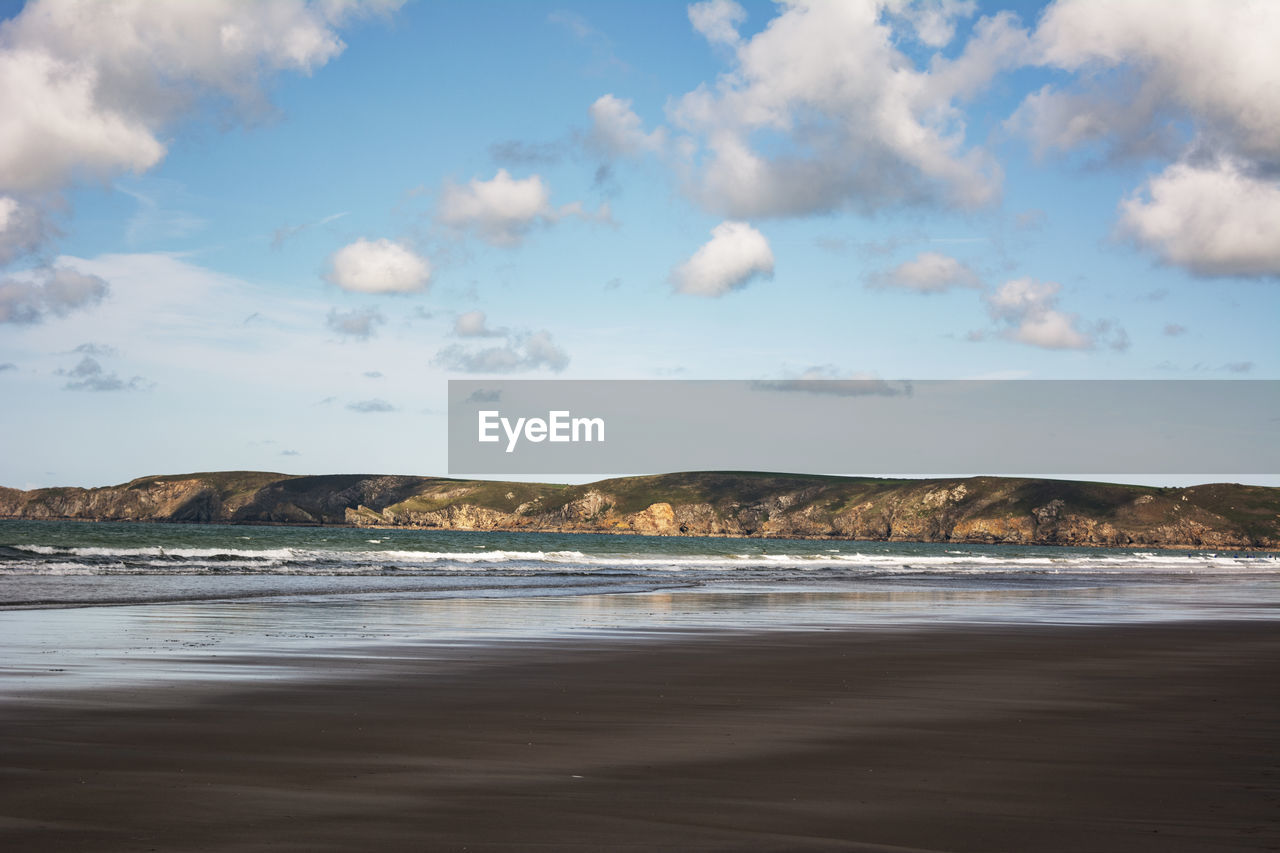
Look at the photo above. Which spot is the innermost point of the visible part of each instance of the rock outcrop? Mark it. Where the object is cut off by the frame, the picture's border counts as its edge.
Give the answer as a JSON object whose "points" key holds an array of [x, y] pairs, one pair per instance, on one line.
{"points": [[973, 510]]}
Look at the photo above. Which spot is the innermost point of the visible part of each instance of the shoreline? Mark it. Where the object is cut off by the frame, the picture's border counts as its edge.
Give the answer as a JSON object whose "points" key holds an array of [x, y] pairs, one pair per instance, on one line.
{"points": [[1132, 737], [1248, 549]]}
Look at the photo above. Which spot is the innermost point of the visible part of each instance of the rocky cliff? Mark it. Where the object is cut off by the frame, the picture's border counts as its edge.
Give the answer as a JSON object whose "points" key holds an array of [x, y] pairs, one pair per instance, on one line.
{"points": [[976, 509]]}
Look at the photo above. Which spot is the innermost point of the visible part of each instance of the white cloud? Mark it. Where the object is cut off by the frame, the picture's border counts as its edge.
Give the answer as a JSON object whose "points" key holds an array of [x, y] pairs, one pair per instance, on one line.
{"points": [[359, 323], [504, 209], [1215, 62], [934, 21], [55, 130], [473, 324], [22, 229], [48, 291], [89, 88], [1026, 309], [88, 85], [735, 255], [928, 272], [520, 353], [501, 210], [1051, 329], [717, 20], [847, 120], [378, 266], [1213, 220], [618, 131], [1196, 82]]}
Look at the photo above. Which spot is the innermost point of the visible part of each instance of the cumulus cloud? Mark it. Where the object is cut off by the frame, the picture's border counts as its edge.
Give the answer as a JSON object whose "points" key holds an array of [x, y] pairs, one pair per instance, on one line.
{"points": [[617, 130], [1174, 330], [87, 94], [1196, 82], [501, 210], [735, 254], [934, 21], [1027, 312], [366, 407], [378, 266], [89, 375], [91, 88], [504, 209], [717, 20], [473, 324], [821, 111], [58, 128], [55, 291], [928, 272], [358, 323], [23, 229], [1213, 220], [1211, 61], [8, 365], [519, 354]]}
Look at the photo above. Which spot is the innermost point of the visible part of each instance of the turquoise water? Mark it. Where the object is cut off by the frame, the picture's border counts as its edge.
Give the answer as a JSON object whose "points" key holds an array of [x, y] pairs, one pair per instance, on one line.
{"points": [[113, 604], [51, 564]]}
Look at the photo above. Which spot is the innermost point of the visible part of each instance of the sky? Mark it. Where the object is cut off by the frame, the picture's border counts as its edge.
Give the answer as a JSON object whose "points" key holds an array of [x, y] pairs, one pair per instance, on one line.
{"points": [[263, 236]]}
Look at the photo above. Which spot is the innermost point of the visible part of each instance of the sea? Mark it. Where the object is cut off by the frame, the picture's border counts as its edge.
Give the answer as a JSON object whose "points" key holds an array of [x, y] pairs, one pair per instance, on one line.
{"points": [[90, 600]]}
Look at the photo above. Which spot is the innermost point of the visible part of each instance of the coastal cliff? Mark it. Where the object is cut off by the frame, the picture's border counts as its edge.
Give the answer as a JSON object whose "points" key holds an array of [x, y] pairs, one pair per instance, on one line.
{"points": [[973, 510]]}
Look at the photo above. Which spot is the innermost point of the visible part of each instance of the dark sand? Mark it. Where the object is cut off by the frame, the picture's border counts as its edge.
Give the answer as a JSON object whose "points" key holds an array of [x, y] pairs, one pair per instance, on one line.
{"points": [[1125, 738]]}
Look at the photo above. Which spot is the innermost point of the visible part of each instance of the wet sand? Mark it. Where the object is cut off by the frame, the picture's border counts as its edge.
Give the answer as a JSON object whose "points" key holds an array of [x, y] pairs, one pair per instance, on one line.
{"points": [[1125, 738]]}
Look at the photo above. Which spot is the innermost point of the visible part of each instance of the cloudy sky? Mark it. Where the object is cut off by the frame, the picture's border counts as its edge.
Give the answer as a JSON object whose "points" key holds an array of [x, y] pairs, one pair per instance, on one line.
{"points": [[263, 236]]}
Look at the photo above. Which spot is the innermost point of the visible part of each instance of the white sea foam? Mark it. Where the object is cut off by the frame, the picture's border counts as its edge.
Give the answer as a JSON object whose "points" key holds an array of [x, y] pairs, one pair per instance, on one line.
{"points": [[50, 559]]}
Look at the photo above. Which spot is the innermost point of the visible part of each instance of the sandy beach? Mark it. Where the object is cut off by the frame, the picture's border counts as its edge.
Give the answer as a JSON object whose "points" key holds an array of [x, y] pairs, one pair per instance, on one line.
{"points": [[1134, 737]]}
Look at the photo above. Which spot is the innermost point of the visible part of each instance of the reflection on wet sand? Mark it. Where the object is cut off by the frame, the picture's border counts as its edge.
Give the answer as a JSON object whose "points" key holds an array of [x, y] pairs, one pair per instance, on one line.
{"points": [[236, 639]]}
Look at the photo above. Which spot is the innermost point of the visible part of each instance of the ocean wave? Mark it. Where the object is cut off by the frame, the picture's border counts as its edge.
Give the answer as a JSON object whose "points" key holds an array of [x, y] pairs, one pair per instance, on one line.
{"points": [[159, 551], [97, 559]]}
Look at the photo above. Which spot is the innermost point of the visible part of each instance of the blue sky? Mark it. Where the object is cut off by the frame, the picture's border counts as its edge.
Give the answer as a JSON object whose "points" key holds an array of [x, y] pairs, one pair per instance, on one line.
{"points": [[263, 236]]}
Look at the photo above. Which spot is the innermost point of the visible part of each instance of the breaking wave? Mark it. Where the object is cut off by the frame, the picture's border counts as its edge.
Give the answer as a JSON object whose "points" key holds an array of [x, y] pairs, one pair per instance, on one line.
{"points": [[29, 559]]}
